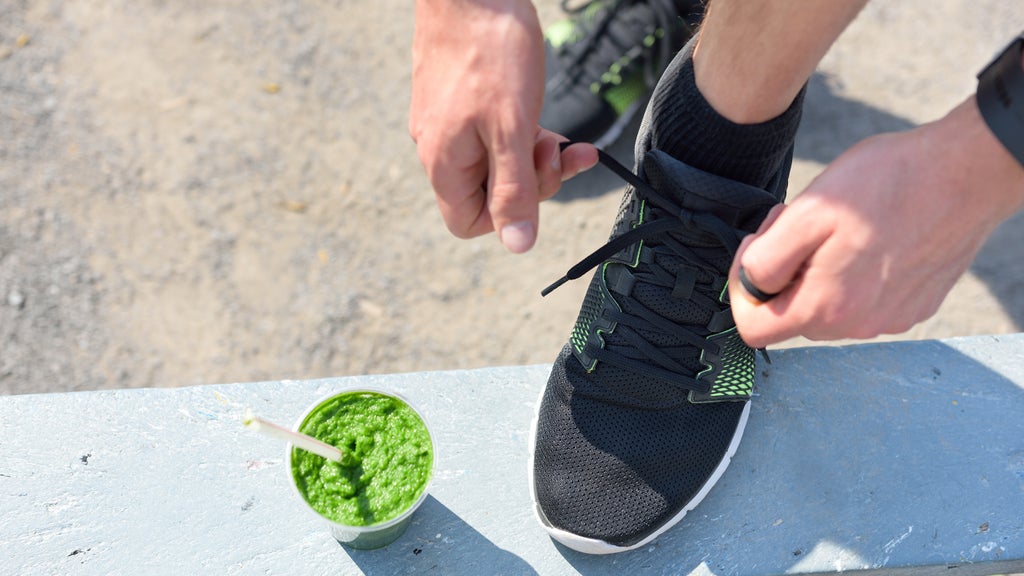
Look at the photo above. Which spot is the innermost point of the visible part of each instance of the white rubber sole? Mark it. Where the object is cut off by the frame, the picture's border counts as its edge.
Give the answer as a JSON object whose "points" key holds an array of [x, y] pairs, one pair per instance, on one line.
{"points": [[592, 546]]}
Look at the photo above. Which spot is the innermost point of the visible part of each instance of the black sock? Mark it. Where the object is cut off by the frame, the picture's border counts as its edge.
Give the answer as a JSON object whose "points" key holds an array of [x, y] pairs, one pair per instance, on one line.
{"points": [[680, 122]]}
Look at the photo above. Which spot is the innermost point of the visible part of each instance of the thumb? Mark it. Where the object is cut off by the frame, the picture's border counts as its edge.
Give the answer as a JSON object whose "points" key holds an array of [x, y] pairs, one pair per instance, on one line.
{"points": [[513, 195]]}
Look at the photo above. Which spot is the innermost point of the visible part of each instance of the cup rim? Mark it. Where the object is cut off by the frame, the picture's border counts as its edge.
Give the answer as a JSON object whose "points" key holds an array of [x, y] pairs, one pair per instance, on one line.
{"points": [[426, 485]]}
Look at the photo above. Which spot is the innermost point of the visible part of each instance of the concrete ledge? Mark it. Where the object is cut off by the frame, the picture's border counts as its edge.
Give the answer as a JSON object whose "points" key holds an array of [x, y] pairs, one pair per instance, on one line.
{"points": [[874, 457]]}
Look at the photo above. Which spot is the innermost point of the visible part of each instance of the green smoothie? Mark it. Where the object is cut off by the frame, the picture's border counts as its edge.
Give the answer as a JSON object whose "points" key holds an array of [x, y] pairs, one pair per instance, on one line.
{"points": [[388, 457]]}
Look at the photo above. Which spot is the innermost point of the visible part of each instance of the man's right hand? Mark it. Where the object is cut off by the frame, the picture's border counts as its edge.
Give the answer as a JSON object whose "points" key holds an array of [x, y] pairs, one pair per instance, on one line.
{"points": [[477, 91]]}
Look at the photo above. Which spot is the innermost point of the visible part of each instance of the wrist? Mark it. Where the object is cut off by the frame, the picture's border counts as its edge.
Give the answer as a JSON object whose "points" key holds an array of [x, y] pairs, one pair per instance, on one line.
{"points": [[1000, 98], [967, 149]]}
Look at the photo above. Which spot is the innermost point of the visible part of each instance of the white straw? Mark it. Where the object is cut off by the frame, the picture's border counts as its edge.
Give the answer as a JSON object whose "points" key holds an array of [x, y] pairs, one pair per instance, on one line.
{"points": [[298, 439]]}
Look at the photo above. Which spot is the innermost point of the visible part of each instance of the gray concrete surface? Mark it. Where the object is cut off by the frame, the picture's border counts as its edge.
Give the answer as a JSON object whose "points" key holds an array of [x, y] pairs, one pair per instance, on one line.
{"points": [[879, 457], [197, 192]]}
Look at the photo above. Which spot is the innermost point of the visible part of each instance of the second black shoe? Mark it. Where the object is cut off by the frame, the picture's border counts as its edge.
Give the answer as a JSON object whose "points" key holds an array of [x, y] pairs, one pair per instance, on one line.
{"points": [[604, 60]]}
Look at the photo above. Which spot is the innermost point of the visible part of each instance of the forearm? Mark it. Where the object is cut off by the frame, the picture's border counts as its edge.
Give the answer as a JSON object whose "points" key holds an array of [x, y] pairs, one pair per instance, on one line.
{"points": [[984, 167], [977, 144], [999, 141], [754, 56]]}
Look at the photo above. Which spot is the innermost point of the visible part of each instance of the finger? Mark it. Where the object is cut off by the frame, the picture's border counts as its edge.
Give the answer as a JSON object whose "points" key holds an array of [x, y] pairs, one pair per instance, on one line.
{"points": [[740, 275], [737, 287], [512, 195], [466, 217], [457, 173], [547, 161], [578, 158], [774, 257], [763, 324], [555, 165]]}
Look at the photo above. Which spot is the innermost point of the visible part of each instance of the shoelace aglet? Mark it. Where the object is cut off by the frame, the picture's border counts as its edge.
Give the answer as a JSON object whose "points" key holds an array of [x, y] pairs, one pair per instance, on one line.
{"points": [[554, 286]]}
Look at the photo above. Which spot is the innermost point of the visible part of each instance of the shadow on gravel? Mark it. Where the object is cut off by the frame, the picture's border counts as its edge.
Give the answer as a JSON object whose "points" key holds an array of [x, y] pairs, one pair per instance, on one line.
{"points": [[998, 266]]}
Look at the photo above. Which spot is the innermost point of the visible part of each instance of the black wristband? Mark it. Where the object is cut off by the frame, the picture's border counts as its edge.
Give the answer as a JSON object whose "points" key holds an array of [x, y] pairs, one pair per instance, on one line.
{"points": [[1001, 98]]}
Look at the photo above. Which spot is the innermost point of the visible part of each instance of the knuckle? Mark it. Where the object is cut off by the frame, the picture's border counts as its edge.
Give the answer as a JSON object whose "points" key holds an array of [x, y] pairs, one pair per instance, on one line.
{"points": [[461, 233], [507, 191], [863, 331], [512, 199], [461, 227]]}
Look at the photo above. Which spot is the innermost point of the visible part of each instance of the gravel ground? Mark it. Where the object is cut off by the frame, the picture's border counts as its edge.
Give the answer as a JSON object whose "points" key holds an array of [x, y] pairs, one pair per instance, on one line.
{"points": [[201, 192]]}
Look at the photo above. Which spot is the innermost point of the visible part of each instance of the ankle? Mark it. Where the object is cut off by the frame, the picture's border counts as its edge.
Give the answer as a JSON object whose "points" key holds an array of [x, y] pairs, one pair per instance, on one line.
{"points": [[753, 58], [683, 124]]}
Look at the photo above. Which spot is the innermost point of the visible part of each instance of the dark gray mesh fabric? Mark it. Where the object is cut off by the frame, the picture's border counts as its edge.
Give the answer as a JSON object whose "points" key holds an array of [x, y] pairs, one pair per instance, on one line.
{"points": [[593, 303], [621, 450], [620, 453], [618, 473]]}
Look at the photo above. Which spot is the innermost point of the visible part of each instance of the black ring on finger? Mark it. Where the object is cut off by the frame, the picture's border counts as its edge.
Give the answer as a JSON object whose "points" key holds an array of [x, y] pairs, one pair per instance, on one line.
{"points": [[757, 293]]}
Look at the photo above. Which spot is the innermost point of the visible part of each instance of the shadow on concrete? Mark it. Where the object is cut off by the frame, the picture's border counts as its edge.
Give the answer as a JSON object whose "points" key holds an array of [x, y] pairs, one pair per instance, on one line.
{"points": [[915, 459], [439, 542]]}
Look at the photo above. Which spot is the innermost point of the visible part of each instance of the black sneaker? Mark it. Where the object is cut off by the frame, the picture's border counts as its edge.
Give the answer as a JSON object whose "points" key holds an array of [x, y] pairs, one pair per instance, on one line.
{"points": [[605, 59], [646, 404]]}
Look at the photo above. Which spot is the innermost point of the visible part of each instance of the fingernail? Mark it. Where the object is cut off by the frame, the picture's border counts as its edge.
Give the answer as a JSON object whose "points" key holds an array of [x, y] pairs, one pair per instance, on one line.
{"points": [[556, 160], [518, 237]]}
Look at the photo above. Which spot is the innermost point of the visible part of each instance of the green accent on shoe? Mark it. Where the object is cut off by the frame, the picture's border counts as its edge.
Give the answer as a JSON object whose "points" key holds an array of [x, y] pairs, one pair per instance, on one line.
{"points": [[567, 31], [735, 380], [560, 33], [594, 301], [620, 96]]}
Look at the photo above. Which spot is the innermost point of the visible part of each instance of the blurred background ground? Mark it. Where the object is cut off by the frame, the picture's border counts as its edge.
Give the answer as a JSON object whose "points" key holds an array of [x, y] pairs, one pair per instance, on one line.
{"points": [[217, 191]]}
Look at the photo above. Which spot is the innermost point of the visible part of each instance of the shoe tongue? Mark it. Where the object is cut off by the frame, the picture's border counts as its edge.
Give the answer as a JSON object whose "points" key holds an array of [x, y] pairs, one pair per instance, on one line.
{"points": [[740, 205]]}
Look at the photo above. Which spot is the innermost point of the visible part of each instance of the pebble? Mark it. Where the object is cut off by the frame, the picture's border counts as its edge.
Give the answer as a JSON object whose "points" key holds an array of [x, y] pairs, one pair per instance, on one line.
{"points": [[16, 299]]}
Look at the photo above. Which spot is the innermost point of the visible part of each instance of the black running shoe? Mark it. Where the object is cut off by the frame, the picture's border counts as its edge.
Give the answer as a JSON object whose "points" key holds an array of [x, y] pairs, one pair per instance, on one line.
{"points": [[646, 404], [605, 59]]}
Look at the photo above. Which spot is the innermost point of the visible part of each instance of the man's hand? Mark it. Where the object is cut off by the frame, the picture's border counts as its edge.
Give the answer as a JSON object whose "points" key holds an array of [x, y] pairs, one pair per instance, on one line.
{"points": [[876, 242], [477, 91]]}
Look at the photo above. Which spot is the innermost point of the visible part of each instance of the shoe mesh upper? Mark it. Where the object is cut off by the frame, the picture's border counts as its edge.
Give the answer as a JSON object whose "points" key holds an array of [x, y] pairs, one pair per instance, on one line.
{"points": [[593, 303], [616, 473], [620, 453]]}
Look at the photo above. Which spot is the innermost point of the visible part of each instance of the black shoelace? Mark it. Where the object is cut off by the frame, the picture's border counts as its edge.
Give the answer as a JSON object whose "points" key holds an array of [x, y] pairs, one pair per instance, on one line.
{"points": [[604, 40], [635, 352]]}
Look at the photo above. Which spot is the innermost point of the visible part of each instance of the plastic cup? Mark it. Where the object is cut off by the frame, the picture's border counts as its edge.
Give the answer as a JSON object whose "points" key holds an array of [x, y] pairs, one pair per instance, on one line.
{"points": [[376, 534]]}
